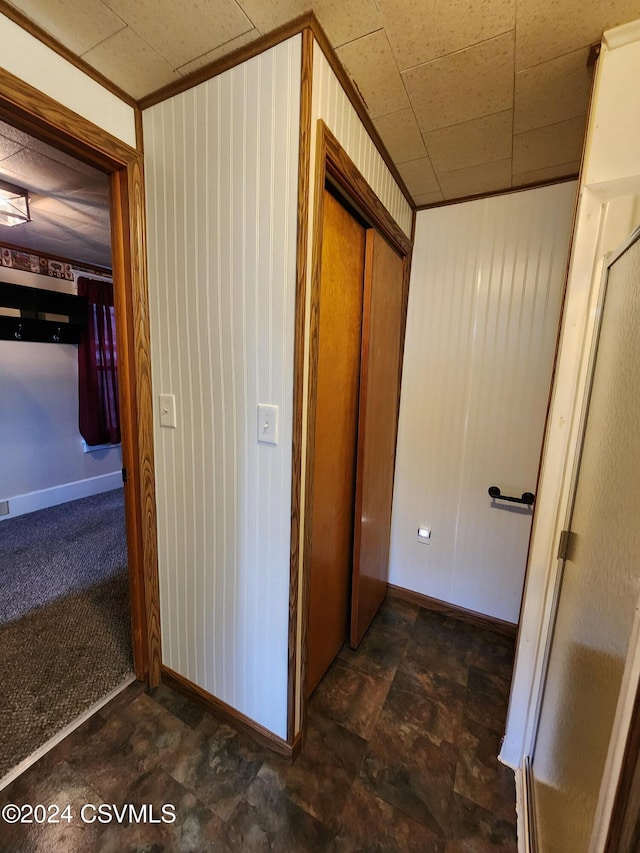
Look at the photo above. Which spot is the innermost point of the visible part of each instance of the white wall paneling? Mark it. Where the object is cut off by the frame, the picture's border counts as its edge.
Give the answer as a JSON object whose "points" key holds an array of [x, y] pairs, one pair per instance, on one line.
{"points": [[221, 180], [330, 103], [39, 66], [484, 303]]}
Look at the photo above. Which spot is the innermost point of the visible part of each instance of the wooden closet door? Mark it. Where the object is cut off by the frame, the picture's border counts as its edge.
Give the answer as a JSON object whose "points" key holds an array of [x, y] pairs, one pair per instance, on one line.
{"points": [[336, 427], [382, 331]]}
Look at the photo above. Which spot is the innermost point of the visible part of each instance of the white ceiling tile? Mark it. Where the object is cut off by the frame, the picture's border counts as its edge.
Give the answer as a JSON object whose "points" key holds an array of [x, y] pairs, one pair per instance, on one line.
{"points": [[267, 16], [8, 147], [563, 170], [346, 20], [78, 24], [428, 198], [401, 136], [552, 91], [219, 52], [422, 30], [550, 28], [474, 82], [180, 32], [419, 176], [129, 62], [476, 179], [548, 146], [371, 64], [482, 140]]}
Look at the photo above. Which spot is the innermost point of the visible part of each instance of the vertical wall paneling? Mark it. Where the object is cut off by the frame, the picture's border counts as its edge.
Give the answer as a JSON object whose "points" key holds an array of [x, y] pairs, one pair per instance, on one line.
{"points": [[221, 178], [484, 303], [331, 104]]}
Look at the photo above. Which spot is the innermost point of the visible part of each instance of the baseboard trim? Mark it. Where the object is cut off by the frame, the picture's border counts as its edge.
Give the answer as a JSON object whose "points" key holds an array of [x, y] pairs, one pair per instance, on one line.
{"points": [[508, 629], [45, 498], [230, 715]]}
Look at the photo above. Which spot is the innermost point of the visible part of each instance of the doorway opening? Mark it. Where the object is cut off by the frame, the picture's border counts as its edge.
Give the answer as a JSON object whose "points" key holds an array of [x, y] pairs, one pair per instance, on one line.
{"points": [[29, 111]]}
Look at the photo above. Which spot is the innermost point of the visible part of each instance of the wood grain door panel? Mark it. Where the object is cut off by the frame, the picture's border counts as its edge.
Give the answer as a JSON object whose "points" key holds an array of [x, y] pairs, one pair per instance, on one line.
{"points": [[336, 426], [378, 424]]}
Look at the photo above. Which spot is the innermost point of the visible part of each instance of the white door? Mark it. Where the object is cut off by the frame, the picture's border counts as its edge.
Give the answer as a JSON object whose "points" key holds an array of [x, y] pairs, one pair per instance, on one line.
{"points": [[600, 583]]}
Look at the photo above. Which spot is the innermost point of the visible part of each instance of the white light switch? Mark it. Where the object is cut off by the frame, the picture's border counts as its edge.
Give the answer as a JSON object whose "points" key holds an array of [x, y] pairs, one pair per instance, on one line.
{"points": [[267, 424], [167, 410]]}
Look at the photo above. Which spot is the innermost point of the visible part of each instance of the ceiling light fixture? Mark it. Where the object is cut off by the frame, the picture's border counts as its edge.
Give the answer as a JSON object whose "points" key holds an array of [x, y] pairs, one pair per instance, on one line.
{"points": [[14, 205]]}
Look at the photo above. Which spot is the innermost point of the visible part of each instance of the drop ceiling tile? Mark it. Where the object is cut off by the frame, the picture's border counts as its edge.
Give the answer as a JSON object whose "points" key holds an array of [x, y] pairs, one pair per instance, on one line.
{"points": [[180, 32], [267, 16], [219, 52], [548, 146], [548, 28], [419, 176], [401, 136], [130, 63], [474, 82], [476, 179], [423, 30], [428, 198], [8, 147], [482, 140], [371, 64], [548, 174], [552, 91], [39, 173], [346, 20], [78, 24]]}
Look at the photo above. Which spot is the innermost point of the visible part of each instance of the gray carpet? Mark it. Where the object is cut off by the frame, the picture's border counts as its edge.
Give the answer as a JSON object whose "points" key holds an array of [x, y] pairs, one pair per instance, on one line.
{"points": [[65, 637]]}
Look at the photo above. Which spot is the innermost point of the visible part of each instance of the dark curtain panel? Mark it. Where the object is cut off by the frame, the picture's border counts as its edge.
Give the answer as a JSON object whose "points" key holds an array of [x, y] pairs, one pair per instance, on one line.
{"points": [[98, 366]]}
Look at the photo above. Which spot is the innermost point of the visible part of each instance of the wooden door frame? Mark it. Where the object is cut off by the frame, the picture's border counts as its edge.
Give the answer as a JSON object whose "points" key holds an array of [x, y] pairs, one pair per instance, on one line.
{"points": [[39, 115], [333, 162]]}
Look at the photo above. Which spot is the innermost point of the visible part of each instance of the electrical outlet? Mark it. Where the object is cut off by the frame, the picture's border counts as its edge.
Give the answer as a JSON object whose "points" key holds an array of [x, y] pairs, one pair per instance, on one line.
{"points": [[4, 507], [424, 535]]}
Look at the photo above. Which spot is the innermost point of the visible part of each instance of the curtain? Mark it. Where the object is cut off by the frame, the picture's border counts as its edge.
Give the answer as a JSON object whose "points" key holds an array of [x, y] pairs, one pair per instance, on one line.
{"points": [[99, 415]]}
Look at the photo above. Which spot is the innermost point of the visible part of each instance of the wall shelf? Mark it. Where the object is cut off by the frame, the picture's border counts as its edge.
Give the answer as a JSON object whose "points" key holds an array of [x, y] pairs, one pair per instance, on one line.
{"points": [[46, 316]]}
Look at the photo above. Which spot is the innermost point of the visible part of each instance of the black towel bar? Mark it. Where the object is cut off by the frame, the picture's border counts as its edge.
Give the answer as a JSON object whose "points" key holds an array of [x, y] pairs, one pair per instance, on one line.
{"points": [[527, 497]]}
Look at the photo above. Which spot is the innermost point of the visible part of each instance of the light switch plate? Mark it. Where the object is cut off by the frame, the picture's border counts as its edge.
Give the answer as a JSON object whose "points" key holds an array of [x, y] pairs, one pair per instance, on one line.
{"points": [[267, 424], [167, 410]]}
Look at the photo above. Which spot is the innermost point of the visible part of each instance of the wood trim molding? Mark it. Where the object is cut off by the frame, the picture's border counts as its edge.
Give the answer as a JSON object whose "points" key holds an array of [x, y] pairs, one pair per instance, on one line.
{"points": [[37, 32], [218, 66], [30, 110], [509, 191], [239, 721], [331, 161], [508, 629], [304, 170]]}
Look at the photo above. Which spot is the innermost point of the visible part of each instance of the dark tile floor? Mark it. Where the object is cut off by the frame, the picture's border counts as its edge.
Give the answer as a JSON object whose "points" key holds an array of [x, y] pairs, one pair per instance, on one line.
{"points": [[400, 756]]}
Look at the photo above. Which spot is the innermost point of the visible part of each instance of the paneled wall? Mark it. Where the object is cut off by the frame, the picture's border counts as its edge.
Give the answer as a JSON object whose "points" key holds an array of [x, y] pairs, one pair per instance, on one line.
{"points": [[484, 303], [330, 103], [39, 66], [221, 172]]}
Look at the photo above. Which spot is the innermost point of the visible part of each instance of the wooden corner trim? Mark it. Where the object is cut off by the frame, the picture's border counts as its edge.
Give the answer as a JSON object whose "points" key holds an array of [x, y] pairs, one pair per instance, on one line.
{"points": [[508, 629], [218, 66], [49, 41], [230, 715], [536, 185], [304, 172]]}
